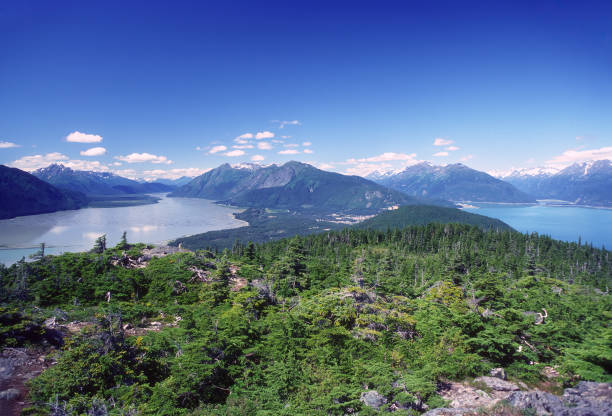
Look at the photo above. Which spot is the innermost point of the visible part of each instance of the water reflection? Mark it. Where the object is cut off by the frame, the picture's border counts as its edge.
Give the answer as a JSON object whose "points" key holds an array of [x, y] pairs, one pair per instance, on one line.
{"points": [[77, 230]]}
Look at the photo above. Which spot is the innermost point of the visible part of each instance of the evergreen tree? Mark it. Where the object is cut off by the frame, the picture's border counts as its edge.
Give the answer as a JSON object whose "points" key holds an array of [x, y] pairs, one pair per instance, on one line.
{"points": [[100, 245]]}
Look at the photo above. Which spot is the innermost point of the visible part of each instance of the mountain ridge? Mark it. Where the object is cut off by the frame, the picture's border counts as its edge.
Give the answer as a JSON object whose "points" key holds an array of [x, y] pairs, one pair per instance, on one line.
{"points": [[96, 183], [296, 186], [454, 182], [586, 183], [22, 193]]}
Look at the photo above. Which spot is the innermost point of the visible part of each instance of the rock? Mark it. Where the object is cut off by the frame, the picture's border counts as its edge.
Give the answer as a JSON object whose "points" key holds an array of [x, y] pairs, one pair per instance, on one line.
{"points": [[10, 394], [497, 384], [127, 326], [541, 402], [590, 395], [464, 396], [373, 399], [586, 399], [51, 322], [445, 411], [498, 373], [550, 372]]}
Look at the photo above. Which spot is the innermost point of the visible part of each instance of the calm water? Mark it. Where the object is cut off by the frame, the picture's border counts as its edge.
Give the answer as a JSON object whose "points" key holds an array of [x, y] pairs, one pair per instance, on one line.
{"points": [[77, 230], [562, 223]]}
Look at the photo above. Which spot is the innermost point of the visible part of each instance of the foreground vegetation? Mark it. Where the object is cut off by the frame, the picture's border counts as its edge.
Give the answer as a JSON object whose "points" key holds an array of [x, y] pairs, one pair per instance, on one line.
{"points": [[305, 326]]}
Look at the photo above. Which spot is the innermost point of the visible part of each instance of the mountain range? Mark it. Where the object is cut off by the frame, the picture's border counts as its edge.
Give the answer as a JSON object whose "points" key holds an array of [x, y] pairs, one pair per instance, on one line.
{"points": [[23, 194], [455, 182], [294, 186], [96, 183], [586, 183]]}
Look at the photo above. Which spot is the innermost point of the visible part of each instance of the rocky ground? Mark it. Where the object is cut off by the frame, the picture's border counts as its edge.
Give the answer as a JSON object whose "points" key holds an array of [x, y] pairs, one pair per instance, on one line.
{"points": [[496, 396], [17, 366]]}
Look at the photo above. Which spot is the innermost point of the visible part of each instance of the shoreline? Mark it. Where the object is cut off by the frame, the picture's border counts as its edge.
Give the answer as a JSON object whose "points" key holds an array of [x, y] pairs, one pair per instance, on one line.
{"points": [[469, 205]]}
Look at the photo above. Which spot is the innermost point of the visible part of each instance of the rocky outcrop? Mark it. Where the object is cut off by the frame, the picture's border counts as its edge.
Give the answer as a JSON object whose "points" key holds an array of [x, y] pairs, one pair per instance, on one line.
{"points": [[498, 373], [464, 396], [373, 399], [497, 384], [586, 399]]}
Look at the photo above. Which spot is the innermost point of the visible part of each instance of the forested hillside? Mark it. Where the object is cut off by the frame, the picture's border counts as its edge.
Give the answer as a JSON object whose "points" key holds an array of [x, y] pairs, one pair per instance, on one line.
{"points": [[267, 226], [297, 187], [23, 194], [310, 325]]}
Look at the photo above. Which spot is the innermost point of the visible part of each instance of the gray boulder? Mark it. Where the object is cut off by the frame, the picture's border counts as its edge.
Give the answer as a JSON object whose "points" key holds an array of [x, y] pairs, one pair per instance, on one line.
{"points": [[498, 373], [373, 399], [447, 411], [586, 399], [497, 384], [10, 394], [541, 402]]}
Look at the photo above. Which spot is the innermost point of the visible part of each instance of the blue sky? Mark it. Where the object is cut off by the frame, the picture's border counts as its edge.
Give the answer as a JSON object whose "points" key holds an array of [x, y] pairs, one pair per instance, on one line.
{"points": [[160, 89]]}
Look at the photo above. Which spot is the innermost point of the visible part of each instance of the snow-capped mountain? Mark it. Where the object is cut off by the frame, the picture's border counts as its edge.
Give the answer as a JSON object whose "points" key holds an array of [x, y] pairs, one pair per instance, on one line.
{"points": [[585, 183], [454, 182], [95, 183]]}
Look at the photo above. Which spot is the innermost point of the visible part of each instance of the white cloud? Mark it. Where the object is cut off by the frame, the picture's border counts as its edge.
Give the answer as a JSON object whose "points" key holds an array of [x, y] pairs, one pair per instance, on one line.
{"points": [[78, 137], [364, 169], [264, 146], [198, 148], [442, 142], [217, 149], [7, 145], [573, 156], [242, 137], [264, 135], [85, 165], [243, 146], [30, 163], [451, 148], [116, 163], [289, 152], [325, 166], [143, 157], [291, 145], [441, 154], [284, 123], [257, 158], [94, 151], [176, 173], [306, 144], [466, 158], [276, 141], [385, 157], [309, 151], [234, 153], [126, 173]]}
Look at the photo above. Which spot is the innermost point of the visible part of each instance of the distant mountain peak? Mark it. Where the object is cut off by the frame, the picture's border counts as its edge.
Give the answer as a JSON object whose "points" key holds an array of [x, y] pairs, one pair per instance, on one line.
{"points": [[246, 165], [455, 182], [294, 186]]}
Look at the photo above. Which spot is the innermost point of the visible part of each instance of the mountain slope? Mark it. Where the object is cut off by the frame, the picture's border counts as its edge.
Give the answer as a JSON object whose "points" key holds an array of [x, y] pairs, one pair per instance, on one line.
{"points": [[294, 186], [424, 214], [455, 182], [95, 183], [587, 183], [23, 194]]}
